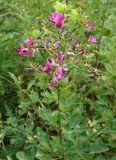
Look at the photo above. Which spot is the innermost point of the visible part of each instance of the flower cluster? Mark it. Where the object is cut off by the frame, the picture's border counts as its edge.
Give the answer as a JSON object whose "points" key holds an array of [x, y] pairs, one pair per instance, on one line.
{"points": [[24, 51], [55, 67], [55, 64], [91, 38]]}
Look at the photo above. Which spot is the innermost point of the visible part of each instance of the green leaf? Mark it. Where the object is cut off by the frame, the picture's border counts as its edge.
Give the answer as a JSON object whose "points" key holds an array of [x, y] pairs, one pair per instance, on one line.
{"points": [[60, 7], [107, 115], [9, 158], [24, 156], [17, 82], [35, 33], [49, 97], [74, 120], [48, 116], [30, 85], [96, 148], [40, 155], [74, 15], [43, 138], [34, 97], [90, 55], [12, 121]]}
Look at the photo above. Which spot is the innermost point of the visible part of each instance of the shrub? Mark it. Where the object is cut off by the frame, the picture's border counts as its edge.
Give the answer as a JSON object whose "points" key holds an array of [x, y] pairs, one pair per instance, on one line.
{"points": [[65, 110]]}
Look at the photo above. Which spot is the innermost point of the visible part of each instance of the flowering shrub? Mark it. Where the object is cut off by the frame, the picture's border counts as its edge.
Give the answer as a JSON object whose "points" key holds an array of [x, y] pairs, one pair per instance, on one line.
{"points": [[64, 50], [60, 114]]}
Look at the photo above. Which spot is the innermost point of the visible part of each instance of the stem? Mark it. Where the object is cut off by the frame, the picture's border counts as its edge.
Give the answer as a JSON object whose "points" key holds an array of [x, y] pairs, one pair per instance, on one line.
{"points": [[60, 132], [58, 91]]}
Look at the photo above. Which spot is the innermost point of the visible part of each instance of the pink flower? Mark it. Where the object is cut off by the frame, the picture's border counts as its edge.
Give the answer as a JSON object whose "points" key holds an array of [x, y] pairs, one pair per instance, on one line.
{"points": [[29, 42], [59, 73], [60, 56], [83, 51], [53, 84], [57, 18], [20, 49], [24, 51], [92, 39], [90, 26], [48, 67]]}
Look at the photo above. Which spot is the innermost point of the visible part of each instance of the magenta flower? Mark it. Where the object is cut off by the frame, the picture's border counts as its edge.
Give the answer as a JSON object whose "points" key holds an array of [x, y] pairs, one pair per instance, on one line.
{"points": [[20, 49], [60, 56], [92, 39], [90, 26], [29, 42], [48, 67], [57, 18], [24, 51], [83, 51]]}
